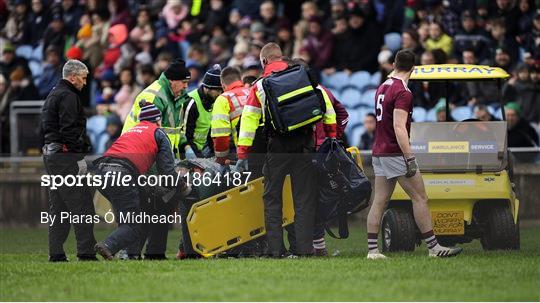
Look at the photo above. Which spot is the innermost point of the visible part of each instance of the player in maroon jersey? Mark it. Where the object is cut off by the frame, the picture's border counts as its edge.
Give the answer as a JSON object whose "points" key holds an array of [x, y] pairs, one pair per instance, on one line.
{"points": [[393, 160]]}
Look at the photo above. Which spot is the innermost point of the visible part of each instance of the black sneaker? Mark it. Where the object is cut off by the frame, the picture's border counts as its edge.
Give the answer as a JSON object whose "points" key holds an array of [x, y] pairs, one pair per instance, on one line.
{"points": [[104, 251], [58, 258]]}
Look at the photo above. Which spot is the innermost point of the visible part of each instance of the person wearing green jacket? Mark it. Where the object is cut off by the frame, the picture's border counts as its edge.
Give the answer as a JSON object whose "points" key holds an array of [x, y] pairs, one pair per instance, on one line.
{"points": [[168, 94], [198, 116]]}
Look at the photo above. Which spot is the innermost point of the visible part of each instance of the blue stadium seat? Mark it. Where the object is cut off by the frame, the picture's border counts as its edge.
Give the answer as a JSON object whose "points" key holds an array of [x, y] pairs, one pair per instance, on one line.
{"points": [[366, 110], [100, 148], [24, 51], [393, 41], [350, 97], [462, 113], [419, 114], [368, 97], [375, 79], [431, 115], [498, 114], [338, 80], [30, 53], [368, 107], [495, 111], [354, 134], [355, 117], [324, 79], [95, 128], [37, 70], [359, 79], [369, 87], [491, 109], [336, 93]]}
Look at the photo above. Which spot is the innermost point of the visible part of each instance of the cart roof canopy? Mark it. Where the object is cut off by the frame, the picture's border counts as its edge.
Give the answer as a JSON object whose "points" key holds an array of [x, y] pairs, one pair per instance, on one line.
{"points": [[457, 72]]}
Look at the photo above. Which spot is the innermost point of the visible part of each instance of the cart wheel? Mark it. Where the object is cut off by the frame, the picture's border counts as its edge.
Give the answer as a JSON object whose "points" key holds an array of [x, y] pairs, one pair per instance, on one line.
{"points": [[501, 232], [398, 230]]}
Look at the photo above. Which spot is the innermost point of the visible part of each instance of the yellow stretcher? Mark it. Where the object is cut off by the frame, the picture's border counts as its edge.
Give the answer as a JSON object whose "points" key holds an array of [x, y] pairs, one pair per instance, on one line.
{"points": [[231, 218], [236, 216]]}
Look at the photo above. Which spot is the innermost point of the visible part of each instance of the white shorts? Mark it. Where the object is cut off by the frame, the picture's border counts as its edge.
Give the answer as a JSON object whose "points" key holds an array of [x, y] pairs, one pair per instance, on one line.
{"points": [[389, 167]]}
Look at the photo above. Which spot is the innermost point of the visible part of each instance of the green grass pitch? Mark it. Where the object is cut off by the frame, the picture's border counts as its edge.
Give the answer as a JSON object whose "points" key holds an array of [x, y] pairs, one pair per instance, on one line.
{"points": [[25, 274]]}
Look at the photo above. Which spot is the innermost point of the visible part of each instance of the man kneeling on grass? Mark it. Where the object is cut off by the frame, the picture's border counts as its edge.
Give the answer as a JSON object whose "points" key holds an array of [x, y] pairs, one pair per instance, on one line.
{"points": [[393, 160], [130, 156]]}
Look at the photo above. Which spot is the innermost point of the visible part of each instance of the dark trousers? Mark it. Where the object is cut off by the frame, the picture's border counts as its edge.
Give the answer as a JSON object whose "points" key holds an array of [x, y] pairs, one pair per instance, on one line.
{"points": [[322, 209], [321, 216], [125, 201], [153, 234], [186, 246], [257, 155], [74, 200], [290, 155]]}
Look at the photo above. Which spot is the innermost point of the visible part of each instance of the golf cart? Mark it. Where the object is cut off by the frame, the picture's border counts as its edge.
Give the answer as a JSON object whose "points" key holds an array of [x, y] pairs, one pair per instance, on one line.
{"points": [[467, 174]]}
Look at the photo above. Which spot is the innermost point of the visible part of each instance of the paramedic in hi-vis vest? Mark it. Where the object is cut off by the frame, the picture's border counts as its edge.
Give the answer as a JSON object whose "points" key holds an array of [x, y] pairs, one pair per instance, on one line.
{"points": [[226, 114], [198, 115], [168, 94], [224, 118], [286, 154], [130, 156]]}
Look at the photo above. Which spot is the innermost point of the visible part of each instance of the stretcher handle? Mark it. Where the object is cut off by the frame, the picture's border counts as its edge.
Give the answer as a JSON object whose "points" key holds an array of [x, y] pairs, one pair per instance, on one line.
{"points": [[355, 152]]}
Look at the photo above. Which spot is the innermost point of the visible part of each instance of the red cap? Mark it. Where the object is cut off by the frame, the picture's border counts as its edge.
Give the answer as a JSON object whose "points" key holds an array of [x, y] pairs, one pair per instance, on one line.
{"points": [[74, 53]]}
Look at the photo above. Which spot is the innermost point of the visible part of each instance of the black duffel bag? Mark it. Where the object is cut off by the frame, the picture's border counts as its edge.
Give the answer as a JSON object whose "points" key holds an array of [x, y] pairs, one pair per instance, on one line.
{"points": [[344, 188]]}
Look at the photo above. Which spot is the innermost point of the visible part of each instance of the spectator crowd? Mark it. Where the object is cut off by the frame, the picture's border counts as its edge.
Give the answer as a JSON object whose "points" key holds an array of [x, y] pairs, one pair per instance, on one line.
{"points": [[127, 44]]}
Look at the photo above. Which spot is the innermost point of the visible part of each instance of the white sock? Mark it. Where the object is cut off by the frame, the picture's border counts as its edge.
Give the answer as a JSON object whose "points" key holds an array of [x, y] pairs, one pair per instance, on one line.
{"points": [[319, 243], [372, 240]]}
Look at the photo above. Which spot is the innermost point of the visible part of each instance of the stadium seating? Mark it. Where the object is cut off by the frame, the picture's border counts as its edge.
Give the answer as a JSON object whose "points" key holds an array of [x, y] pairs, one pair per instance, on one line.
{"points": [[37, 70], [337, 80], [359, 79], [431, 115], [350, 97], [355, 116], [495, 111], [462, 113], [101, 143], [354, 134], [34, 57], [336, 93], [419, 114], [375, 79], [498, 114], [96, 128], [366, 110], [368, 97], [393, 41]]}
